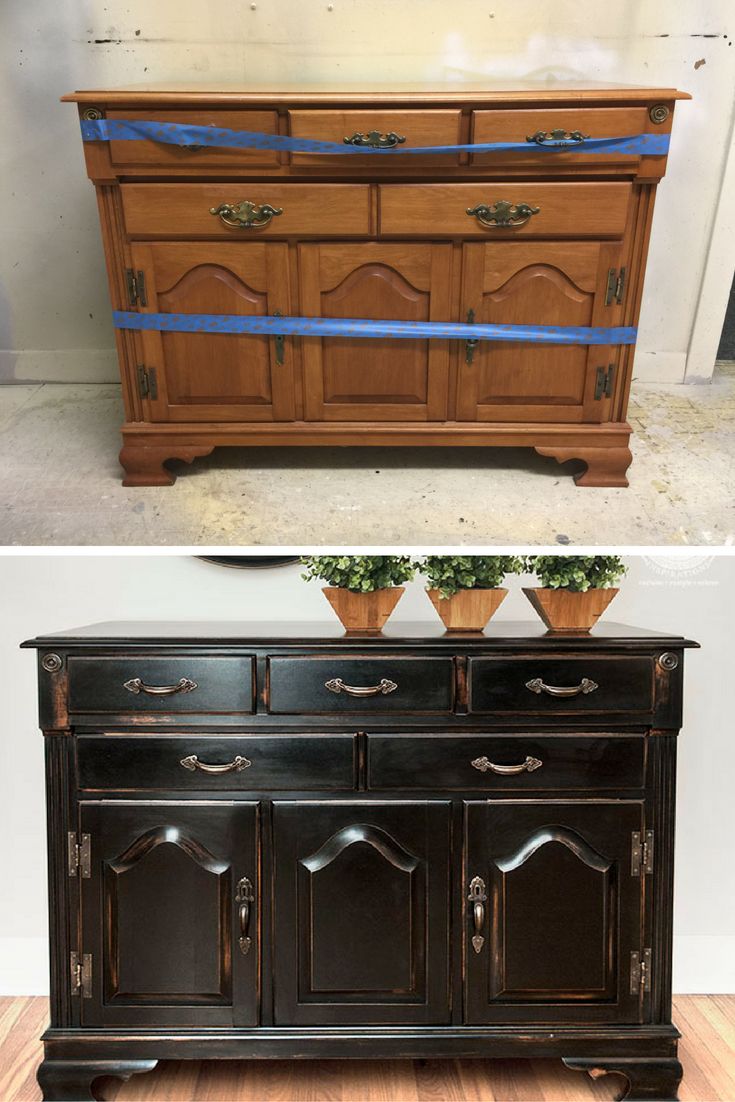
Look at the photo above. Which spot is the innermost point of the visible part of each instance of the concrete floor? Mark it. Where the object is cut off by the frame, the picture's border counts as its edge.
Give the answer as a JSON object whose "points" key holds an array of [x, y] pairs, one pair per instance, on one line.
{"points": [[60, 484]]}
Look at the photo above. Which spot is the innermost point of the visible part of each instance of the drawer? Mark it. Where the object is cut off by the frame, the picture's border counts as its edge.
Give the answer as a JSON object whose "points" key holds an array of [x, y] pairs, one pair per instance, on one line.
{"points": [[328, 685], [595, 122], [275, 762], [151, 154], [183, 210], [502, 762], [417, 127], [561, 686], [146, 685], [564, 210]]}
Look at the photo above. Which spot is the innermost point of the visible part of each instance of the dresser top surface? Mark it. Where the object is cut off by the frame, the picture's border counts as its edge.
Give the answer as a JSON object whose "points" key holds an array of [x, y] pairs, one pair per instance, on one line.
{"points": [[287, 633], [370, 93]]}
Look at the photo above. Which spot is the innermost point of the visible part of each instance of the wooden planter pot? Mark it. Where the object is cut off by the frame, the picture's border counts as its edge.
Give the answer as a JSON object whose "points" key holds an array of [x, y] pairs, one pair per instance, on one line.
{"points": [[469, 609], [363, 612], [563, 610]]}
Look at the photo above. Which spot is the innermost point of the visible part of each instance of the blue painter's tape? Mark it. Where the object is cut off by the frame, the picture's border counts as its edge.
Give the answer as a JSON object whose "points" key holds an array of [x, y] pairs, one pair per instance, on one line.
{"points": [[174, 133], [367, 327]]}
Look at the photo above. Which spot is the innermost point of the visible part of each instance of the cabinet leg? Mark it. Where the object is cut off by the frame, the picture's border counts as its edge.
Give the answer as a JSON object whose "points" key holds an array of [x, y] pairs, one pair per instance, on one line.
{"points": [[71, 1080], [144, 465], [605, 466], [648, 1079]]}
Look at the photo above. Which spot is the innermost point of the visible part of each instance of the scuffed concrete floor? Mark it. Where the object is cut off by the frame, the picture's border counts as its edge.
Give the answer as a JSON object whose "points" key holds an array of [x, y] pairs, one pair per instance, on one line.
{"points": [[60, 484]]}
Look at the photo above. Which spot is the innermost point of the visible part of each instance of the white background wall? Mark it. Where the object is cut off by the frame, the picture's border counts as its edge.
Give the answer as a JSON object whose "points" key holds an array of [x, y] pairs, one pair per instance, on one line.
{"points": [[54, 314], [689, 596]]}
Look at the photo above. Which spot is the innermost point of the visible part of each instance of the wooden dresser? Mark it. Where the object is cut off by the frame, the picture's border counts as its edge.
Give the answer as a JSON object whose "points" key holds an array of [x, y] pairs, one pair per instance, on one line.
{"points": [[279, 841], [533, 237]]}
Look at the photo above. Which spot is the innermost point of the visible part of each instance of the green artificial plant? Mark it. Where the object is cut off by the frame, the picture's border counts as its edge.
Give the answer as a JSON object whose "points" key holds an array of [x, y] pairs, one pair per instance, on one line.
{"points": [[452, 573], [577, 573], [360, 573]]}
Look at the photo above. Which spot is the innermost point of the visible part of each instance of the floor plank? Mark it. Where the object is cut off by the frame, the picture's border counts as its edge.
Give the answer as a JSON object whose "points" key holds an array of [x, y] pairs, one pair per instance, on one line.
{"points": [[707, 1051]]}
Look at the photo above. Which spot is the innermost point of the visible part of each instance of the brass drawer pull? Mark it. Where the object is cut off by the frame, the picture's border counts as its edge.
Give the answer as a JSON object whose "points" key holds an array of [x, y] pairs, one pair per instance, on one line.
{"points": [[235, 766], [183, 685], [536, 685], [477, 898], [485, 765], [556, 137], [384, 686], [245, 215], [502, 214], [375, 140], [244, 897]]}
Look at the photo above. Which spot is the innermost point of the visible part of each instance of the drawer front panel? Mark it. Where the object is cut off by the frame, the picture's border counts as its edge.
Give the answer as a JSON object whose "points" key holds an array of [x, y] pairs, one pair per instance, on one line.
{"points": [[183, 210], [361, 685], [564, 210], [594, 122], [281, 762], [162, 154], [469, 763], [417, 127], [561, 686], [119, 685]]}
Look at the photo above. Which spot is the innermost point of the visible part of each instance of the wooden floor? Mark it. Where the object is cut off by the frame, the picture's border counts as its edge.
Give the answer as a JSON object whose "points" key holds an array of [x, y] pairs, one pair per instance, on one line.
{"points": [[707, 1051]]}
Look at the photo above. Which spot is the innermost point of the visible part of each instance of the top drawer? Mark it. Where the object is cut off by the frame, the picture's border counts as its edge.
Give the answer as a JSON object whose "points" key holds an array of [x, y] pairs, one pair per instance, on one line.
{"points": [[151, 154], [416, 127], [378, 683], [593, 122], [141, 684], [561, 686]]}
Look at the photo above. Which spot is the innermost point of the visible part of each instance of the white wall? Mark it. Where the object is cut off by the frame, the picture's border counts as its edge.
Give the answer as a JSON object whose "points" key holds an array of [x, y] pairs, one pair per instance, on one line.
{"points": [[54, 314], [694, 596]]}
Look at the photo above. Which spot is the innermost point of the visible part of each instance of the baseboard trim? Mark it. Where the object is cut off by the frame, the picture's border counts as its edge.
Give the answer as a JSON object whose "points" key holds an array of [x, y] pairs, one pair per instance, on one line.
{"points": [[702, 965], [68, 365]]}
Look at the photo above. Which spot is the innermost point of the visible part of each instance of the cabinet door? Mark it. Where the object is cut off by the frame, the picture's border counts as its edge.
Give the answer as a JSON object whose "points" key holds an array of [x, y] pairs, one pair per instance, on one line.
{"points": [[216, 376], [361, 903], [371, 379], [161, 916], [562, 914], [537, 283]]}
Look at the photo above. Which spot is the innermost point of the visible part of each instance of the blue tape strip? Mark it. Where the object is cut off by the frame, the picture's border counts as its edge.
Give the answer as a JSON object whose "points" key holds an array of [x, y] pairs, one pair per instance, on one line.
{"points": [[174, 133], [367, 327]]}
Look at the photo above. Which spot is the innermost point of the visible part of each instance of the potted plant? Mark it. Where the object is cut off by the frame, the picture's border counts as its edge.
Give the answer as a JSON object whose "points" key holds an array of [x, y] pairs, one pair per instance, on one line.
{"points": [[575, 589], [362, 589], [466, 589]]}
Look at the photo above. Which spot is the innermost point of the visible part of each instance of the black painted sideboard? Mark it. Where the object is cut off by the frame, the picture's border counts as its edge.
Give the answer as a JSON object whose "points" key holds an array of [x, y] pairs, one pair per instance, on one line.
{"points": [[280, 841]]}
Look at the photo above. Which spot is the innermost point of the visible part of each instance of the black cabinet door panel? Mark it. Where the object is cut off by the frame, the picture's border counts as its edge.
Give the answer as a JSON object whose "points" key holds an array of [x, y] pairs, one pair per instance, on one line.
{"points": [[361, 904], [562, 913], [160, 917]]}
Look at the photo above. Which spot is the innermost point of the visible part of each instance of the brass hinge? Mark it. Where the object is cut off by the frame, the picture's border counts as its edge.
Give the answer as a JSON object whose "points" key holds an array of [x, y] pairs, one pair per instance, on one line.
{"points": [[279, 341], [604, 382], [136, 287], [615, 286], [147, 382], [81, 974], [79, 855], [471, 343], [641, 853], [640, 972]]}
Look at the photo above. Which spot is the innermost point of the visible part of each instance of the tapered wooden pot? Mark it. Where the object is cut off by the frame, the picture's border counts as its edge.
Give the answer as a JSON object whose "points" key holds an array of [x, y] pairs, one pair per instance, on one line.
{"points": [[469, 609], [563, 610], [363, 612]]}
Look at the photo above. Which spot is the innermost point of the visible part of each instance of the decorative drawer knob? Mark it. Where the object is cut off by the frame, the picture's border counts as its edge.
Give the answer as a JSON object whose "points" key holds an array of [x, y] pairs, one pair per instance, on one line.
{"points": [[536, 685], [375, 140], [183, 685], [556, 137], [502, 214], [235, 766], [485, 765], [246, 215], [384, 686]]}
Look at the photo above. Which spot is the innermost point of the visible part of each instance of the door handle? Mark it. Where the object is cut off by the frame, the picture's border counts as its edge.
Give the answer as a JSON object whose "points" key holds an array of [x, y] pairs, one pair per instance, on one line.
{"points": [[237, 765], [537, 685], [384, 686], [485, 765], [244, 897], [477, 898], [183, 685]]}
